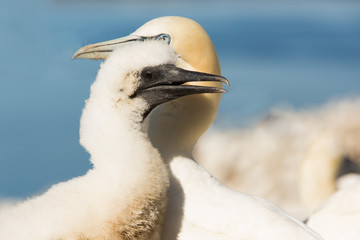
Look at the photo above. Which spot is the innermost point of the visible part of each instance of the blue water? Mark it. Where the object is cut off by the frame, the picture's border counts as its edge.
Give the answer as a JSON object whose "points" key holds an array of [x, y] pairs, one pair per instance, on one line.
{"points": [[274, 54]]}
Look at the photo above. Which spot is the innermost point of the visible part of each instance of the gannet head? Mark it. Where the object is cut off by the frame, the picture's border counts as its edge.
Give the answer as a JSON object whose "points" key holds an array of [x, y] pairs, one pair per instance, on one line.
{"points": [[187, 118], [186, 36]]}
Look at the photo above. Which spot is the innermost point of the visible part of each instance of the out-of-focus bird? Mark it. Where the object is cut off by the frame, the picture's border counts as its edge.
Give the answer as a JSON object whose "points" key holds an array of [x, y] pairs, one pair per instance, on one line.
{"points": [[297, 155], [339, 216]]}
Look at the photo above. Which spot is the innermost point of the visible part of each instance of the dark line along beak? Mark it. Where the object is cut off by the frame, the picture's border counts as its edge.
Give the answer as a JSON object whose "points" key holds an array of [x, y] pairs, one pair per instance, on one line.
{"points": [[102, 50], [165, 83]]}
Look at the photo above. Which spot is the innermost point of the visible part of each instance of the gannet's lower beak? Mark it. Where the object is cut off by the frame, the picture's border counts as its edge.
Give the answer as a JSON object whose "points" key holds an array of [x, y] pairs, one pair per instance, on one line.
{"points": [[164, 83], [102, 50]]}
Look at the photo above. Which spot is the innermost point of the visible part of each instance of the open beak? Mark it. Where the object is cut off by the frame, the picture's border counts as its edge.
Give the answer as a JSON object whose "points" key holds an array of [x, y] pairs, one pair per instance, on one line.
{"points": [[164, 83], [102, 50]]}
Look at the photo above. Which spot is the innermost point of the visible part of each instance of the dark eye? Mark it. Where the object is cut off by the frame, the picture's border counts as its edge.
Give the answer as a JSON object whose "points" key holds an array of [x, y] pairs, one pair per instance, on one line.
{"points": [[148, 75], [164, 37]]}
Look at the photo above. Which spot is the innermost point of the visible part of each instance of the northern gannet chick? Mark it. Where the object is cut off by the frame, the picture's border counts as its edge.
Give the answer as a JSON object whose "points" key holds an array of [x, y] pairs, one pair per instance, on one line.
{"points": [[199, 206], [124, 195]]}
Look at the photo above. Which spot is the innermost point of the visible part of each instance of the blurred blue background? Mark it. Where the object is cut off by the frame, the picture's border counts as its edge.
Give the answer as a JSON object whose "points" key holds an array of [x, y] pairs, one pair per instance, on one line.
{"points": [[273, 53]]}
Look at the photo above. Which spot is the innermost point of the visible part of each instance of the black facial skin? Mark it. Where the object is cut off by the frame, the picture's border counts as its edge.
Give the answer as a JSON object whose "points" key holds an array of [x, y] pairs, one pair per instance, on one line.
{"points": [[163, 83]]}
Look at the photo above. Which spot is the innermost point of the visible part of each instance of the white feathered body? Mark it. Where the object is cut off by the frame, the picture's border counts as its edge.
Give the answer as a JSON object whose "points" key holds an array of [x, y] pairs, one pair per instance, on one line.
{"points": [[212, 211]]}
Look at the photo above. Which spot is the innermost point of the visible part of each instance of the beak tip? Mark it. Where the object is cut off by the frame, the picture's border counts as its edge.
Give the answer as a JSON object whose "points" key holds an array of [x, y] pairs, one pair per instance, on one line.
{"points": [[226, 82], [77, 53], [85, 52], [223, 90]]}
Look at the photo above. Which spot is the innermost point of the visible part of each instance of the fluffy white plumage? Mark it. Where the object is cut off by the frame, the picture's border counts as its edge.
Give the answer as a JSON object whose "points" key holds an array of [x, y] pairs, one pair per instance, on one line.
{"points": [[124, 195]]}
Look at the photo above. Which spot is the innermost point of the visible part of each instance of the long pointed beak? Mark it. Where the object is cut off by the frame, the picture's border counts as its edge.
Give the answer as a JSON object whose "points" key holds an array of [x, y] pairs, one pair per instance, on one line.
{"points": [[164, 83], [173, 77], [102, 50]]}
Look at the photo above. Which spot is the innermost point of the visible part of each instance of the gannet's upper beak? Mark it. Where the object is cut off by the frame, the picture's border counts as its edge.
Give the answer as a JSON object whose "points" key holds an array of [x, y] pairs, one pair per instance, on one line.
{"points": [[102, 50]]}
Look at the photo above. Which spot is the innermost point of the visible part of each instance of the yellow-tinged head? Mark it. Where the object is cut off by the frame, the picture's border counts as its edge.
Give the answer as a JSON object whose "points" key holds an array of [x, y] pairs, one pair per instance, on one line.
{"points": [[188, 39]]}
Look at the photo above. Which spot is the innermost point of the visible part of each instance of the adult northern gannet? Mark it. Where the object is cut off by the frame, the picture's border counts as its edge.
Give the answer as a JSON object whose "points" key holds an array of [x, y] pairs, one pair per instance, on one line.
{"points": [[124, 195], [199, 206]]}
